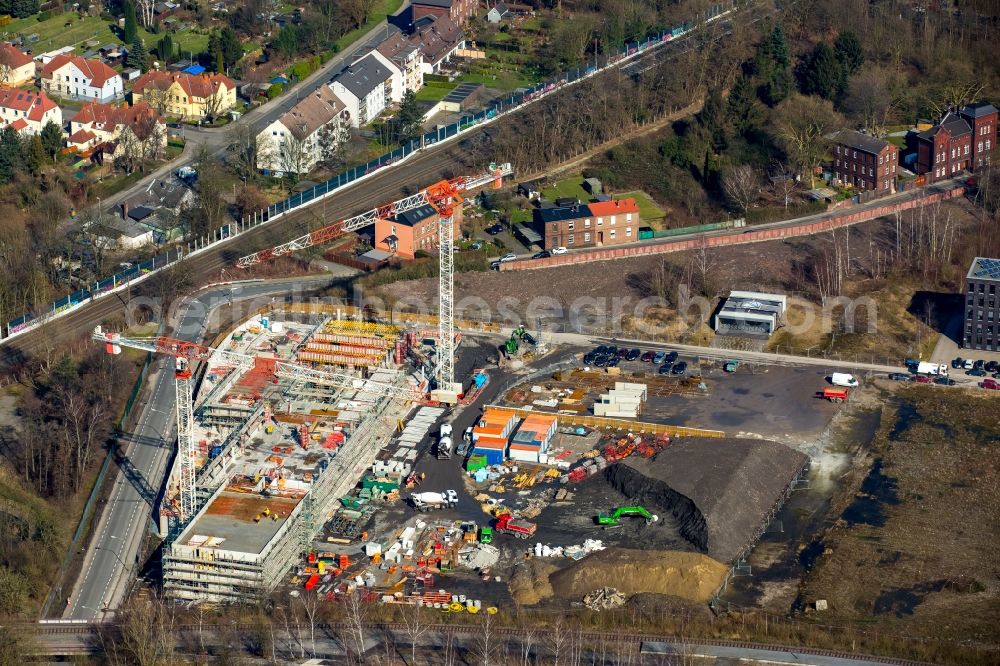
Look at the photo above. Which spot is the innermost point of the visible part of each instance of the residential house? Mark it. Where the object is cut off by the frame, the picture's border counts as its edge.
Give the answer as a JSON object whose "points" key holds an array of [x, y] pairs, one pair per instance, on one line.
{"points": [[188, 96], [139, 132], [864, 162], [158, 206], [28, 112], [963, 140], [116, 233], [365, 88], [587, 225], [458, 11], [410, 231], [438, 41], [497, 13], [16, 67], [292, 143], [74, 77], [407, 58]]}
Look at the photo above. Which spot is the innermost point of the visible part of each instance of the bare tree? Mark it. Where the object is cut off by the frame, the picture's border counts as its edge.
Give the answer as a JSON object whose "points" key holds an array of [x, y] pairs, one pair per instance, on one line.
{"points": [[800, 125], [486, 642], [415, 628], [783, 182], [356, 610], [742, 185], [143, 635], [873, 95]]}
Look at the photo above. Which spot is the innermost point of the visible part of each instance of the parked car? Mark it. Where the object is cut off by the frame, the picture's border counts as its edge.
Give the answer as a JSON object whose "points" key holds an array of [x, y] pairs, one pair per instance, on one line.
{"points": [[544, 254], [510, 256], [991, 366], [968, 363], [978, 364], [613, 362], [601, 362], [665, 369], [957, 363], [622, 353], [495, 266], [990, 384], [611, 349], [600, 349], [680, 368], [976, 372], [659, 357], [559, 250], [923, 379], [648, 357], [477, 245], [899, 376], [633, 354], [945, 381], [995, 375], [671, 357], [494, 229]]}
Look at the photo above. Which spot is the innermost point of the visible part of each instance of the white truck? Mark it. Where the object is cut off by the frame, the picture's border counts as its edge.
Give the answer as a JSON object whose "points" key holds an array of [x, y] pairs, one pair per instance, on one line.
{"points": [[429, 501], [843, 379], [925, 368], [444, 448]]}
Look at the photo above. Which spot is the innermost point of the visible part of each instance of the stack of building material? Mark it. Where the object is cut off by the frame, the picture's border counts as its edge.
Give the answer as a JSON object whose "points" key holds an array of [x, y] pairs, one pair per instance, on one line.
{"points": [[491, 435], [623, 401], [533, 437]]}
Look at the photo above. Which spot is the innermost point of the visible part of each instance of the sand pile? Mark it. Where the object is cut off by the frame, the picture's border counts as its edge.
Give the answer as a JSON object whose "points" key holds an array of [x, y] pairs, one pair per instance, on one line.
{"points": [[530, 581], [690, 576]]}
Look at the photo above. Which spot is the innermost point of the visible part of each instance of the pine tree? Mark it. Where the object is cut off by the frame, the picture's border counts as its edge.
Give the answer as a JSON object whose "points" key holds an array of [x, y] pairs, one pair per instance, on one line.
{"points": [[10, 154], [712, 119], [772, 67], [821, 74], [165, 48], [137, 55], [34, 153], [131, 30], [742, 110], [52, 139], [849, 51], [410, 118]]}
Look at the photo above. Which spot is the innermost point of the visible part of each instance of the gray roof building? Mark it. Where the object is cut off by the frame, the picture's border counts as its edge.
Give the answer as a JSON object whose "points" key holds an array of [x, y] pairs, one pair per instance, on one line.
{"points": [[364, 76], [415, 215], [859, 141], [750, 312]]}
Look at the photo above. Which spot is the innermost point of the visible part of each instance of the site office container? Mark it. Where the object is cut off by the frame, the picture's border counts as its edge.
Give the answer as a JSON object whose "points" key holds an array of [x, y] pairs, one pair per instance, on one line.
{"points": [[494, 424], [524, 452], [493, 456]]}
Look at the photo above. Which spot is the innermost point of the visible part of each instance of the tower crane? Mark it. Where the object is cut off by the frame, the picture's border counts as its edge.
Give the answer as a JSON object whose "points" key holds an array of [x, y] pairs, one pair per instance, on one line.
{"points": [[187, 353], [444, 197]]}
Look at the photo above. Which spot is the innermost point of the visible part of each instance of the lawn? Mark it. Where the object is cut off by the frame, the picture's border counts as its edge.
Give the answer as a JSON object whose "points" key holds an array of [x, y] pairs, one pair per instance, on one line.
{"points": [[498, 75], [381, 9], [434, 91], [53, 33], [567, 187], [649, 211]]}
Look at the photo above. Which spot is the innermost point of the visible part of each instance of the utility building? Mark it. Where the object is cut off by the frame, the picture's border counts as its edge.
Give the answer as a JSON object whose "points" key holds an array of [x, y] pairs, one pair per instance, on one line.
{"points": [[750, 312]]}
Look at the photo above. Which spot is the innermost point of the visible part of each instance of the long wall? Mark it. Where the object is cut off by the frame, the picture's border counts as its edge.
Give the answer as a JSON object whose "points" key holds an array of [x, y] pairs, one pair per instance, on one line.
{"points": [[741, 237]]}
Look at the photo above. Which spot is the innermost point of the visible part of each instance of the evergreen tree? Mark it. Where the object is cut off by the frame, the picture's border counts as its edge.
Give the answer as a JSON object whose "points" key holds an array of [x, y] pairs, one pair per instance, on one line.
{"points": [[410, 118], [10, 154], [772, 67], [712, 119], [742, 110], [224, 49], [165, 48], [849, 52], [34, 153], [131, 28], [137, 55], [23, 8], [52, 139], [821, 74]]}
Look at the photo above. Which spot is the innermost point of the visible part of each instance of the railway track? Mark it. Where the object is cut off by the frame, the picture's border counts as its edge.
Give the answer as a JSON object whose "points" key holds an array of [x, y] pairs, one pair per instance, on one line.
{"points": [[89, 631]]}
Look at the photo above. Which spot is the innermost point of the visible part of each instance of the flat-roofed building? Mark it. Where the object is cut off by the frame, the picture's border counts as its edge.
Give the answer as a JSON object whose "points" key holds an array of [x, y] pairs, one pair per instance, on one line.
{"points": [[750, 312], [982, 305]]}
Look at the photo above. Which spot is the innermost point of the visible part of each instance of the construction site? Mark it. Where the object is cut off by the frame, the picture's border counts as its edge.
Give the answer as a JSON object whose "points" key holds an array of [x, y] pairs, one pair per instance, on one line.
{"points": [[325, 451]]}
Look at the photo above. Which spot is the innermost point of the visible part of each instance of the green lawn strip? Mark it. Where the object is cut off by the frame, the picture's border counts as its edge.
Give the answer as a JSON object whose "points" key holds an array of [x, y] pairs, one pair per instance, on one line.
{"points": [[379, 12]]}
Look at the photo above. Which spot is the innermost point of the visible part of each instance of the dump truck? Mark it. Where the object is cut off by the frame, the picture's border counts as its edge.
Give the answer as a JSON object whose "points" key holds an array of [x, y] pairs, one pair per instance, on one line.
{"points": [[836, 394], [519, 527], [614, 518], [429, 501]]}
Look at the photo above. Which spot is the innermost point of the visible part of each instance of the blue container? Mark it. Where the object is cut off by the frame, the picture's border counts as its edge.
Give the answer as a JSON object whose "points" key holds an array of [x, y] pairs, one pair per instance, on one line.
{"points": [[493, 456], [214, 452], [480, 380]]}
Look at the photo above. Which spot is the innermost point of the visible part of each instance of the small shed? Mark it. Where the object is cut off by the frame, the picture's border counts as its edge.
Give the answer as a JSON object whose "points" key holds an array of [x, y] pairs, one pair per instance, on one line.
{"points": [[592, 185], [497, 13]]}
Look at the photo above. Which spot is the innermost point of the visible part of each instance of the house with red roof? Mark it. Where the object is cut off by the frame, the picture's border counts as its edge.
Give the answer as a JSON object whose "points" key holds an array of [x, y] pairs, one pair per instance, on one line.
{"points": [[75, 77], [137, 130], [184, 95], [587, 225], [27, 111], [16, 66]]}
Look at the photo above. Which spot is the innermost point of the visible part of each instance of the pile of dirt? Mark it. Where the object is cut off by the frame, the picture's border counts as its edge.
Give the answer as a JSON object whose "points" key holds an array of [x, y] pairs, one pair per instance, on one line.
{"points": [[690, 576], [530, 582]]}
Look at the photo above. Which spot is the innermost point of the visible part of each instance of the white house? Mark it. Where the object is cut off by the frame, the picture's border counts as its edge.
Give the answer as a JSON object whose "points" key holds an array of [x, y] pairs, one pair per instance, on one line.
{"points": [[365, 88], [28, 112], [74, 77], [497, 13], [407, 58], [16, 67], [292, 143]]}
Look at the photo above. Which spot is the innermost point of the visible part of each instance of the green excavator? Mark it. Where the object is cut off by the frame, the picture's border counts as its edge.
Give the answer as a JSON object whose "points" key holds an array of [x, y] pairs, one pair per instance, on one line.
{"points": [[614, 518]]}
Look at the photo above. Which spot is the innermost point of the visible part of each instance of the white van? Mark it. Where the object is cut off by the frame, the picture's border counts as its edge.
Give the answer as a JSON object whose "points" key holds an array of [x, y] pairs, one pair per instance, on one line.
{"points": [[843, 379]]}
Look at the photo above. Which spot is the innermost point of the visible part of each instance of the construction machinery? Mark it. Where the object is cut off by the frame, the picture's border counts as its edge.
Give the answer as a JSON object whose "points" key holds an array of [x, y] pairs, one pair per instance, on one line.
{"points": [[519, 527], [614, 518], [836, 394], [444, 197]]}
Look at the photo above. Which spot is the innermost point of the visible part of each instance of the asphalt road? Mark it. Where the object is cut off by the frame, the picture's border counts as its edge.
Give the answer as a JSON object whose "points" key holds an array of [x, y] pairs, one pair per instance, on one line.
{"points": [[109, 567]]}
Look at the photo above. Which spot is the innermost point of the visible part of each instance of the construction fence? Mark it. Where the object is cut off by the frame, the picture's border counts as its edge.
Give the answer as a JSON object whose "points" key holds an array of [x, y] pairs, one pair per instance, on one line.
{"points": [[508, 105]]}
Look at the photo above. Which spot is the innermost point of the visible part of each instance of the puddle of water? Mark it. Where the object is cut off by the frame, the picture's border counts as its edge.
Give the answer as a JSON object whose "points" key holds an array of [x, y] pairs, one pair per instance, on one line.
{"points": [[876, 490], [730, 418], [903, 601]]}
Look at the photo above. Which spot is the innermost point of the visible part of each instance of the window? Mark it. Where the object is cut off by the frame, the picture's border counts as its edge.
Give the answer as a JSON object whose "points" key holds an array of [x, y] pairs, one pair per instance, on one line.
{"points": [[570, 226], [880, 159], [613, 234], [838, 163], [613, 219], [586, 224], [569, 241], [838, 150], [987, 144], [628, 231], [586, 237], [600, 221], [894, 168], [979, 147], [966, 149], [871, 172], [855, 155]]}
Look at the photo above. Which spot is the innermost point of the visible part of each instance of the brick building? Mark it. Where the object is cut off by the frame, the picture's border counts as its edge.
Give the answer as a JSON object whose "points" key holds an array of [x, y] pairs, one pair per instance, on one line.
{"points": [[962, 141], [458, 11], [588, 225], [864, 162], [982, 305], [415, 229]]}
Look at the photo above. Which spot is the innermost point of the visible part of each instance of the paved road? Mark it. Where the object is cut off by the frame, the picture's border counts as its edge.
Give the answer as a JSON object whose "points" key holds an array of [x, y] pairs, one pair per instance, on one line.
{"points": [[110, 564]]}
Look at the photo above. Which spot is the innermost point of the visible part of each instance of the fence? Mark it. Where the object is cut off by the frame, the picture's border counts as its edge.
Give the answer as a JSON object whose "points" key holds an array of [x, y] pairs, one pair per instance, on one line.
{"points": [[514, 102]]}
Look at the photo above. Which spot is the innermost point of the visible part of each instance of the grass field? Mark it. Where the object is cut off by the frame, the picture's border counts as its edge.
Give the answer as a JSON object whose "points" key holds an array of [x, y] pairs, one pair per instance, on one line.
{"points": [[381, 9], [649, 211], [435, 91], [54, 34]]}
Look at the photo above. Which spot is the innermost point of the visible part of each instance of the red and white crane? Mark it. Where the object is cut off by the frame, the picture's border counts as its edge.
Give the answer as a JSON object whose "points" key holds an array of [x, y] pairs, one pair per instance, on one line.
{"points": [[186, 354], [443, 196]]}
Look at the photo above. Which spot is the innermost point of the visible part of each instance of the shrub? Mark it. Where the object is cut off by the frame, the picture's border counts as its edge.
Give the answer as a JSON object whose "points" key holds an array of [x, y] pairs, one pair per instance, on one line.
{"points": [[275, 90]]}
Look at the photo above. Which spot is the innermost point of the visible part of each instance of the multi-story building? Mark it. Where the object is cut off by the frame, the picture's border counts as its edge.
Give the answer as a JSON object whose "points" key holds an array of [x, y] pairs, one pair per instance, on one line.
{"points": [[587, 225], [864, 162], [16, 67], [365, 88], [75, 77], [458, 11], [963, 140], [982, 305], [137, 128], [187, 96], [438, 40], [294, 143], [410, 231], [28, 112], [407, 58]]}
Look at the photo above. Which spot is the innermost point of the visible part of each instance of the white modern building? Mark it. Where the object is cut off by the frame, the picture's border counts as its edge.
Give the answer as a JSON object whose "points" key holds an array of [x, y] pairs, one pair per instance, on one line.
{"points": [[366, 88], [75, 77], [750, 312]]}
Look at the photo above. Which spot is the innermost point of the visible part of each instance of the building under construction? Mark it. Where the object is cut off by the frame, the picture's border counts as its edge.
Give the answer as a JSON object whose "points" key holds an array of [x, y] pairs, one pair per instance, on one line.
{"points": [[275, 451]]}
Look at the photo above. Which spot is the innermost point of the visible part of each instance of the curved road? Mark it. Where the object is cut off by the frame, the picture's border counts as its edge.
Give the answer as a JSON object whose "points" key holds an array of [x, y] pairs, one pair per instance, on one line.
{"points": [[110, 564]]}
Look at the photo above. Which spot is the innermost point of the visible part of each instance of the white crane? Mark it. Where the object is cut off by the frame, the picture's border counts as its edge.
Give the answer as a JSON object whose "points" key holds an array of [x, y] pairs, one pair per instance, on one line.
{"points": [[444, 196]]}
